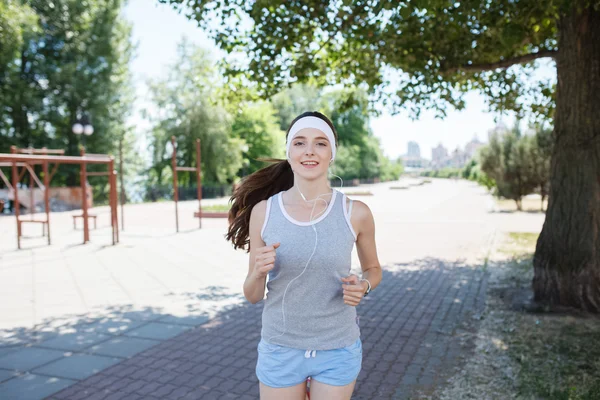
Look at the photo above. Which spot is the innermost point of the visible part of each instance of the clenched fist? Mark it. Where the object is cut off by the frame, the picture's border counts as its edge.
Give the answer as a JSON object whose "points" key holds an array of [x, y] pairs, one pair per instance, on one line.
{"points": [[353, 289], [264, 260]]}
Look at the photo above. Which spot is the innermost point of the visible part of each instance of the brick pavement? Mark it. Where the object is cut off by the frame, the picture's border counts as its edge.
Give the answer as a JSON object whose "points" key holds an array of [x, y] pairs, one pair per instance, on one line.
{"points": [[410, 328]]}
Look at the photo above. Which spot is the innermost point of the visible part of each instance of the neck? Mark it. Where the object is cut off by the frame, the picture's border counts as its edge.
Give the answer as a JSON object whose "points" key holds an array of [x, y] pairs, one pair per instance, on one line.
{"points": [[311, 190]]}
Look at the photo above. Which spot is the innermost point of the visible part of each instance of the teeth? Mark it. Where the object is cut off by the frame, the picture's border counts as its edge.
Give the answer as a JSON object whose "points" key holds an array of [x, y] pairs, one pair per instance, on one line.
{"points": [[309, 163]]}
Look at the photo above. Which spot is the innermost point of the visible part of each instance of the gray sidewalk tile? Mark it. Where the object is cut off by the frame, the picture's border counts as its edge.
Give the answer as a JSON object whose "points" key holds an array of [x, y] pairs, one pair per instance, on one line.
{"points": [[158, 331], [32, 387], [192, 320], [146, 316], [78, 366], [12, 339], [115, 326], [6, 374], [74, 341], [28, 358], [122, 346], [10, 349]]}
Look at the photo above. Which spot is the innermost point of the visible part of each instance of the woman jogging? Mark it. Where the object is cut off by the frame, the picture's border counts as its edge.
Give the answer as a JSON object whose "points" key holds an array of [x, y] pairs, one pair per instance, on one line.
{"points": [[301, 233]]}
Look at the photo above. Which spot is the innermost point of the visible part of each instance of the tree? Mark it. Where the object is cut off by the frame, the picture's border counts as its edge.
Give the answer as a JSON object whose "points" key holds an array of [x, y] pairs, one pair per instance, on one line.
{"points": [[508, 161], [518, 180], [18, 26], [473, 172], [293, 101], [541, 155], [349, 112], [186, 105], [58, 60], [438, 50], [347, 163], [257, 125]]}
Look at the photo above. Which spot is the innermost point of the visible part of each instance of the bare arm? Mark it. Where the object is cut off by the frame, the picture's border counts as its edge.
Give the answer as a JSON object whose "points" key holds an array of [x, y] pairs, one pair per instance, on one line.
{"points": [[365, 244], [262, 257], [364, 226]]}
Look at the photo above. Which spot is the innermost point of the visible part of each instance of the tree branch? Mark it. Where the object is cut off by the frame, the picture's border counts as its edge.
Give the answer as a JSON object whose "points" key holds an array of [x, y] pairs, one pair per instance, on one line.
{"points": [[504, 63]]}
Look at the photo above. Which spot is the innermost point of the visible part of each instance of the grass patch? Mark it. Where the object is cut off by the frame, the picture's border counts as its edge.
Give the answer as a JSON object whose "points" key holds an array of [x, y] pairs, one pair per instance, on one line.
{"points": [[558, 354], [529, 205], [559, 357], [359, 193], [519, 244], [216, 208]]}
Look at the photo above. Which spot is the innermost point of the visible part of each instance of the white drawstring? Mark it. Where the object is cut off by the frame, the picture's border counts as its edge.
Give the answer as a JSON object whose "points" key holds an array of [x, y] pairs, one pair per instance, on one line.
{"points": [[308, 353]]}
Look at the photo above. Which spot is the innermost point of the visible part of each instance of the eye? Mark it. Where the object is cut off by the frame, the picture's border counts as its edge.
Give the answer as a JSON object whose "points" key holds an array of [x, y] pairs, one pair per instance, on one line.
{"points": [[322, 144], [298, 143]]}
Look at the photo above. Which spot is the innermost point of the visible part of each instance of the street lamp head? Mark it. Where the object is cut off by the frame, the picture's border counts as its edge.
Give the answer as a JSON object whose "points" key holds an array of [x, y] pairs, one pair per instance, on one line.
{"points": [[88, 130], [77, 128]]}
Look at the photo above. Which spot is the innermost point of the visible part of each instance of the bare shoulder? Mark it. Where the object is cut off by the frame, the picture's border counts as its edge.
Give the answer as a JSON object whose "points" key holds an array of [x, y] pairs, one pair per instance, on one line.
{"points": [[361, 218], [257, 219], [361, 211], [258, 212]]}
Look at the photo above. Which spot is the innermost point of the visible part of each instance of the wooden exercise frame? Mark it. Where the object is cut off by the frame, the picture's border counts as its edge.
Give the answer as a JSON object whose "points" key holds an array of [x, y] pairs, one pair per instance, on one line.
{"points": [[44, 157], [198, 170]]}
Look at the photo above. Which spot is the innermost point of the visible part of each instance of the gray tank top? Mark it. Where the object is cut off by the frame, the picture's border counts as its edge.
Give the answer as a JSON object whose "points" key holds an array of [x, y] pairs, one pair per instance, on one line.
{"points": [[316, 317]]}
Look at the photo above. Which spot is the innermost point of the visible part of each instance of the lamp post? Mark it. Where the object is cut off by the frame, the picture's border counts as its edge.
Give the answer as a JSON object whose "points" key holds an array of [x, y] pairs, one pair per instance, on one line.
{"points": [[83, 126]]}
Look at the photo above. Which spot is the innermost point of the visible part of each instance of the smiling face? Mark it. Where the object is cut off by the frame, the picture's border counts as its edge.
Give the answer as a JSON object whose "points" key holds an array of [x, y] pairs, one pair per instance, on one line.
{"points": [[310, 153]]}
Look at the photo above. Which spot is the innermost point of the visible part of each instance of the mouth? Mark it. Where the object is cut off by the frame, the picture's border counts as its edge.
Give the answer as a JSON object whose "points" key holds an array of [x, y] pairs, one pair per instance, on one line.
{"points": [[309, 164]]}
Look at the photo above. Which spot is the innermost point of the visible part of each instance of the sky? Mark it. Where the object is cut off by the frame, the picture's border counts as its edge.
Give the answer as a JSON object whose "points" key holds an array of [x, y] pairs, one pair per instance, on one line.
{"points": [[157, 29]]}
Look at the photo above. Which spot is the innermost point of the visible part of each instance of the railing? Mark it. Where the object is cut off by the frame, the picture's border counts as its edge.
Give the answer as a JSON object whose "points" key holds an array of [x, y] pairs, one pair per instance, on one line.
{"points": [[353, 182], [156, 193], [165, 192]]}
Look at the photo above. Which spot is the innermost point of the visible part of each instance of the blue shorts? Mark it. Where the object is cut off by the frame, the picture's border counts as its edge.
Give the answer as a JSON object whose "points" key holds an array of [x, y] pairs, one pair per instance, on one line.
{"points": [[280, 366]]}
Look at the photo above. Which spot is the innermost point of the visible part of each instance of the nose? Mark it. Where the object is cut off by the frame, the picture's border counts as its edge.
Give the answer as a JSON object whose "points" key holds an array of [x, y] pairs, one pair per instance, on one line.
{"points": [[309, 150]]}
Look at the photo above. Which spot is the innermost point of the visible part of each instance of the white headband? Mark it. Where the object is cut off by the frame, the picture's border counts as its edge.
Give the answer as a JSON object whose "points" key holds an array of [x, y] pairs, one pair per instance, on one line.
{"points": [[311, 122]]}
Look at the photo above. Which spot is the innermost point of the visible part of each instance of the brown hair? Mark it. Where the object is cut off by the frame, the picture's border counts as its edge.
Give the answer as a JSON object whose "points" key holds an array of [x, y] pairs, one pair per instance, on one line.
{"points": [[259, 186]]}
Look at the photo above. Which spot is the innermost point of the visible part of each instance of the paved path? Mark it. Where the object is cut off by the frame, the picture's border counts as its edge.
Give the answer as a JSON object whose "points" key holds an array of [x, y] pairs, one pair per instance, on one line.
{"points": [[406, 346], [162, 315]]}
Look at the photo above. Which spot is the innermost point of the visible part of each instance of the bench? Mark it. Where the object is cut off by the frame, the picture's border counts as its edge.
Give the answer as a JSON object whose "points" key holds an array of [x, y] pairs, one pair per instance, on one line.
{"points": [[81, 216]]}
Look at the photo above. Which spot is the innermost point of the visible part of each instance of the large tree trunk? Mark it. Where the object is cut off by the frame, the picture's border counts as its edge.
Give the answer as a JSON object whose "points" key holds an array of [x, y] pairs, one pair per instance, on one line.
{"points": [[567, 257]]}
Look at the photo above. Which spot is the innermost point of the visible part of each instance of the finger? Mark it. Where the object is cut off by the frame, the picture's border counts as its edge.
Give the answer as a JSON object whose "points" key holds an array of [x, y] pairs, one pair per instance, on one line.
{"points": [[269, 260], [262, 258], [266, 249], [352, 279], [357, 296], [276, 245], [266, 269], [354, 288], [267, 255]]}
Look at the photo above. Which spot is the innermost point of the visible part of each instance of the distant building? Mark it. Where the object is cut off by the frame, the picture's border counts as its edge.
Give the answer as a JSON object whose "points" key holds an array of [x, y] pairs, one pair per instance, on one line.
{"points": [[440, 158], [438, 155], [500, 129], [472, 147], [414, 162], [413, 159], [413, 150], [458, 158]]}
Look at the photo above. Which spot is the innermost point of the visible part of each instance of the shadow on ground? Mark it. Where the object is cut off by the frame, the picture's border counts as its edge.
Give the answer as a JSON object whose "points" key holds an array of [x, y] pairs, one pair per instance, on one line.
{"points": [[412, 328]]}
